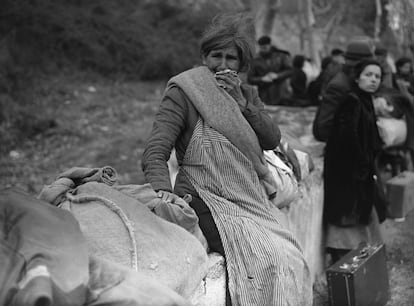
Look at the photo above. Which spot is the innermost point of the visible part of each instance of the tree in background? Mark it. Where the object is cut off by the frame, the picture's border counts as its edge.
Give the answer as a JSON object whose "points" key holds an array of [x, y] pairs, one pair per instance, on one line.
{"points": [[150, 39], [400, 21], [314, 27], [114, 39], [146, 39]]}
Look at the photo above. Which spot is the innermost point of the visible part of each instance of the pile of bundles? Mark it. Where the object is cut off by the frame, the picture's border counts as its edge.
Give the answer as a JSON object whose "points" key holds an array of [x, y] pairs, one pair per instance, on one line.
{"points": [[98, 243]]}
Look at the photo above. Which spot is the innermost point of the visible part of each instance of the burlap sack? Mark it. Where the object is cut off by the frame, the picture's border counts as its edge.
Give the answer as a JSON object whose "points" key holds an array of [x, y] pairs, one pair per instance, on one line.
{"points": [[120, 229]]}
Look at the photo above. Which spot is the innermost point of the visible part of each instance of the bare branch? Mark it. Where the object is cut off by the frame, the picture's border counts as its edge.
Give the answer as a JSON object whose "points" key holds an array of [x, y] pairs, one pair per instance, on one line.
{"points": [[378, 16], [318, 10]]}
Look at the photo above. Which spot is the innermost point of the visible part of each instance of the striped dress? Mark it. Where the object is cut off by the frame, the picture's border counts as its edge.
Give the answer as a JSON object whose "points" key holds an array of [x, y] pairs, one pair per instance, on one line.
{"points": [[265, 263]]}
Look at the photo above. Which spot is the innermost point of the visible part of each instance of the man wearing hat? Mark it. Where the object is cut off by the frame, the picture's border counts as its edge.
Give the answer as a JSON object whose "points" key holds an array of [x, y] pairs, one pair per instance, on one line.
{"points": [[338, 87], [269, 71]]}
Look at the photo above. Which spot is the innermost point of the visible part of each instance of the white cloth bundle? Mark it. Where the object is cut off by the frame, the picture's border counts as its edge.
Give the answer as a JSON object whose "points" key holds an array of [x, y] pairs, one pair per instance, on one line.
{"points": [[393, 131], [287, 184]]}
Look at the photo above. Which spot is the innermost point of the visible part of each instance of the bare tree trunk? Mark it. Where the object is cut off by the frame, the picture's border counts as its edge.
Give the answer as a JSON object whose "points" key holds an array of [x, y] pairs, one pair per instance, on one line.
{"points": [[310, 21], [378, 16], [302, 25], [270, 9], [334, 21], [249, 5]]}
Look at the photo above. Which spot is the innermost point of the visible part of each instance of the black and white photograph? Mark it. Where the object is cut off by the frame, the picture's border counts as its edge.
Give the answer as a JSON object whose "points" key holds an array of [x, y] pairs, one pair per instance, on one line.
{"points": [[207, 153]]}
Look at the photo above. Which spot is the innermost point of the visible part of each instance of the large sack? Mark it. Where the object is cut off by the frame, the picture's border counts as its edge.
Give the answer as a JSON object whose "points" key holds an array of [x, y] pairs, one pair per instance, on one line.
{"points": [[123, 230], [178, 212], [114, 284]]}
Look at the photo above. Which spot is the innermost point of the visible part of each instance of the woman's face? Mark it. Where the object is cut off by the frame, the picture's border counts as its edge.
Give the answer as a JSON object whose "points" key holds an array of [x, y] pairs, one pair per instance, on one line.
{"points": [[370, 78], [220, 59]]}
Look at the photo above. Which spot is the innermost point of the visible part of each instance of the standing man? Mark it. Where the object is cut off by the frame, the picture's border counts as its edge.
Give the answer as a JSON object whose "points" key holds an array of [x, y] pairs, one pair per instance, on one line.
{"points": [[270, 71]]}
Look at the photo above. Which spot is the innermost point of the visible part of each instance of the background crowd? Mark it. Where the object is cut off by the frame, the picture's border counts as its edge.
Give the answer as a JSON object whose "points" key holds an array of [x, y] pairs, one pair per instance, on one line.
{"points": [[290, 79]]}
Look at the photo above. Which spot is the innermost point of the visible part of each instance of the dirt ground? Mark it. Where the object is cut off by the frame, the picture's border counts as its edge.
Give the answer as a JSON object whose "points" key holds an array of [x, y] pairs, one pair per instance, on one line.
{"points": [[105, 123]]}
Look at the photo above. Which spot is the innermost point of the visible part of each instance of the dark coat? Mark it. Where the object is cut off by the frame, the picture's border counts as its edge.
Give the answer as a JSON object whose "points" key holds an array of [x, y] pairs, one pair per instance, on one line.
{"points": [[349, 171], [334, 95]]}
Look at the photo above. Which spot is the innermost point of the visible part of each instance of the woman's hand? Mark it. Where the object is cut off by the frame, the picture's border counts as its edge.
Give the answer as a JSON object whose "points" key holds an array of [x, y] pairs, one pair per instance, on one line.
{"points": [[230, 82], [167, 196]]}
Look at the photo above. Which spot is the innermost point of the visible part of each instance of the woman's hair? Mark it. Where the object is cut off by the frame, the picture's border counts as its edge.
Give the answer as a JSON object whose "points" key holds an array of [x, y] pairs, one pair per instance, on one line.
{"points": [[361, 65], [227, 30]]}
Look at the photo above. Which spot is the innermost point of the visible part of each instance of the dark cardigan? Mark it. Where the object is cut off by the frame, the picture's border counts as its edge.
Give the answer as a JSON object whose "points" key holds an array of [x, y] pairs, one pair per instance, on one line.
{"points": [[349, 170]]}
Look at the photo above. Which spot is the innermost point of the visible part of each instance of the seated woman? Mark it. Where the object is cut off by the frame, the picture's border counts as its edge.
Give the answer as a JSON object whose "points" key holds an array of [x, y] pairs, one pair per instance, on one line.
{"points": [[219, 128], [298, 83]]}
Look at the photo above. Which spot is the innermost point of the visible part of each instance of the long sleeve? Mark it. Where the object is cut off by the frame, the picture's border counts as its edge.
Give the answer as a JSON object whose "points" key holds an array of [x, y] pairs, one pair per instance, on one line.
{"points": [[352, 135], [169, 122], [348, 116], [262, 123], [331, 99]]}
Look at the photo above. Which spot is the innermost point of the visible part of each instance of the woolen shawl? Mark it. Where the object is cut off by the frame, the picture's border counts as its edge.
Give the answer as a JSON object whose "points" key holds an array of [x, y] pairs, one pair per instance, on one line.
{"points": [[221, 112]]}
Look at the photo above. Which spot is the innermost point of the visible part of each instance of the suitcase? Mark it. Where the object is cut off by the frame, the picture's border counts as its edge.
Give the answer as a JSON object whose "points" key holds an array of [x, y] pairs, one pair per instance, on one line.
{"points": [[400, 193], [360, 278]]}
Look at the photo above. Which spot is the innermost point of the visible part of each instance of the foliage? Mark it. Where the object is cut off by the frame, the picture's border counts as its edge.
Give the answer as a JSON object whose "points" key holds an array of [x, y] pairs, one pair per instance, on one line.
{"points": [[401, 22], [146, 39], [117, 39], [128, 39]]}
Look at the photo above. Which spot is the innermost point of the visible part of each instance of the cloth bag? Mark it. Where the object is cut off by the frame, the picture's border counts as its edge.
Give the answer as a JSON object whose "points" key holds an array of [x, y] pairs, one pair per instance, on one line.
{"points": [[121, 229], [393, 132], [287, 184]]}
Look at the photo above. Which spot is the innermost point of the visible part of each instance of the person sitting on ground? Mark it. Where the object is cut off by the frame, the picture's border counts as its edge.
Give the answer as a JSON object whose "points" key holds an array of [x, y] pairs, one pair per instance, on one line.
{"points": [[403, 78], [338, 88], [353, 206], [269, 71], [219, 128], [315, 86], [298, 83]]}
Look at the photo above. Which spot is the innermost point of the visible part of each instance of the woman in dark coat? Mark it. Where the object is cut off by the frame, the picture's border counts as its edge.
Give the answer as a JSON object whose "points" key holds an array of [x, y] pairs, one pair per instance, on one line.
{"points": [[219, 128], [353, 207]]}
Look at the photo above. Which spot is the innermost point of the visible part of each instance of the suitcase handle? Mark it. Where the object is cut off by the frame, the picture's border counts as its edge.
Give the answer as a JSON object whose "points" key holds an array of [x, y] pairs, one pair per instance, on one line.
{"points": [[364, 253]]}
